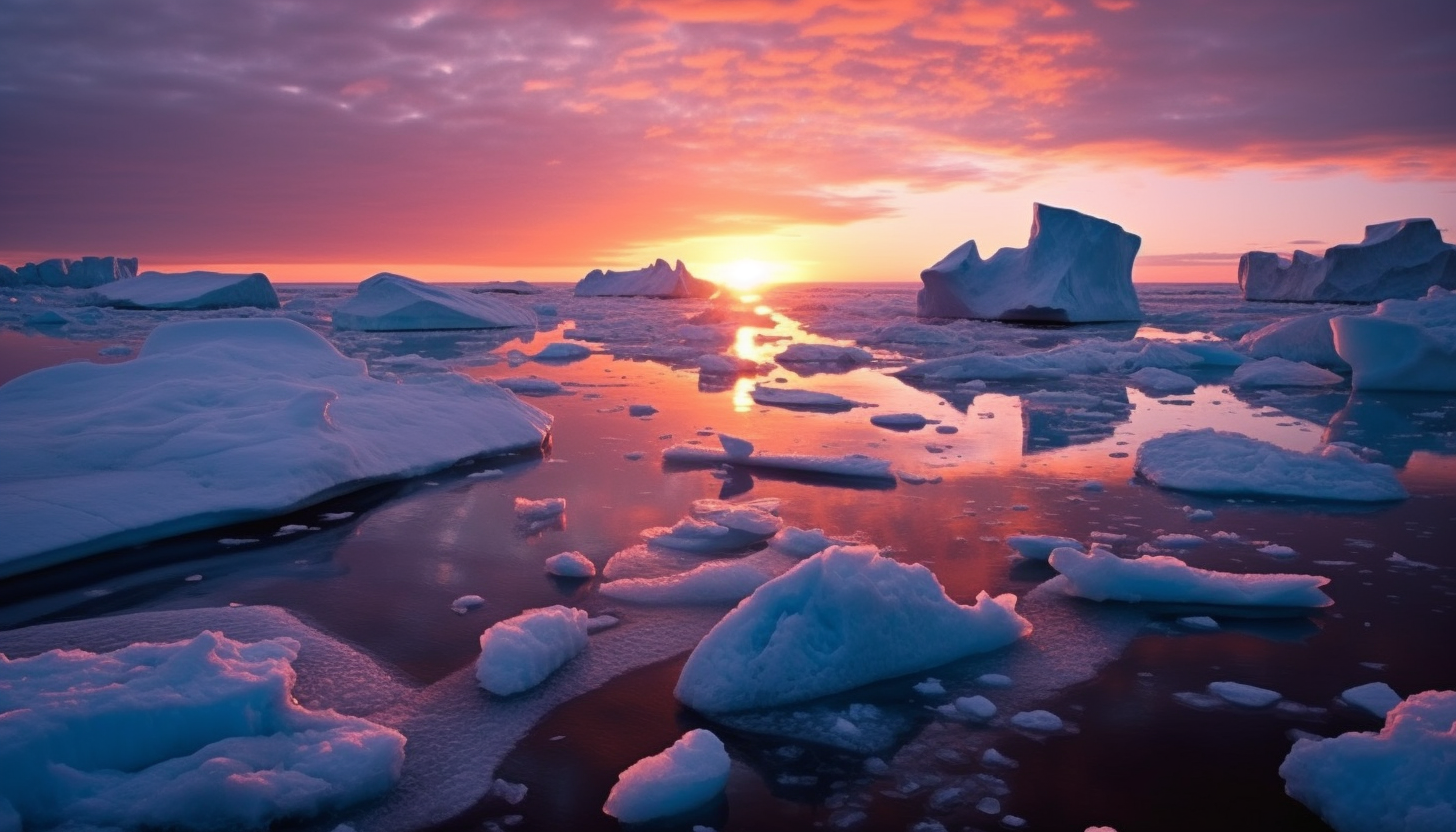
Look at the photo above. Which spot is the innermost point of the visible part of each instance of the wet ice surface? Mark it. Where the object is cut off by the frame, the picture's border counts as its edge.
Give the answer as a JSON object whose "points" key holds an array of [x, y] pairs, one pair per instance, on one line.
{"points": [[379, 569]]}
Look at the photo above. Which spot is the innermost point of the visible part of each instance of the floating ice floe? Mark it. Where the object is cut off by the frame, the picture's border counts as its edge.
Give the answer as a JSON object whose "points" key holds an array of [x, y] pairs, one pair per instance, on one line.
{"points": [[715, 526], [202, 734], [851, 465], [899, 421], [519, 653], [562, 351], [189, 290], [687, 775], [1398, 259], [534, 511], [1247, 696], [723, 581], [390, 302], [570, 565], [658, 280], [823, 354], [803, 399], [1281, 372], [1093, 356], [1376, 698], [726, 365], [466, 603], [1039, 546], [1100, 575], [1307, 338], [1402, 345], [734, 446], [508, 287], [1044, 722], [801, 543], [220, 421], [840, 619], [1397, 779], [1160, 380], [532, 386], [84, 273], [1075, 269], [1217, 462], [1179, 541]]}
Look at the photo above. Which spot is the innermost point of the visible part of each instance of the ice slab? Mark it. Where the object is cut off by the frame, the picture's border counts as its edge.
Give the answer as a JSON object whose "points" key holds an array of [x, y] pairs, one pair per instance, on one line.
{"points": [[1100, 575], [658, 280], [688, 774], [190, 290], [803, 399], [390, 302], [1247, 696], [1399, 259], [1039, 546], [1376, 698], [1403, 345]]}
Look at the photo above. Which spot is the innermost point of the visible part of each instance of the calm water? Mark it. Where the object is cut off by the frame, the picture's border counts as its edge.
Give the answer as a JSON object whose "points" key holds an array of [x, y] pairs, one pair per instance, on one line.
{"points": [[1134, 757]]}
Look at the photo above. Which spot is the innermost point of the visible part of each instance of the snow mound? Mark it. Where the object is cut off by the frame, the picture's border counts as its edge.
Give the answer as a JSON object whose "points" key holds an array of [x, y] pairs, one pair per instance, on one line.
{"points": [[1281, 372], [220, 421], [803, 399], [190, 290], [390, 302], [1100, 575], [1218, 462], [840, 619], [658, 280], [85, 273], [1040, 546], [1307, 338], [823, 354], [1398, 259], [850, 465], [1402, 345], [570, 565], [200, 734], [1074, 269], [688, 774], [519, 653], [1398, 779]]}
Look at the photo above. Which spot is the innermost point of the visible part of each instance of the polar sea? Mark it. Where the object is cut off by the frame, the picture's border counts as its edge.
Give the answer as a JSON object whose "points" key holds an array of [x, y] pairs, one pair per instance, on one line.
{"points": [[378, 568]]}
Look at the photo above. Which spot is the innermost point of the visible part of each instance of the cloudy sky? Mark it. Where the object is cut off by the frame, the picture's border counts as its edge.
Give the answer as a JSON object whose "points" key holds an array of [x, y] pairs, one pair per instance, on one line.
{"points": [[829, 139]]}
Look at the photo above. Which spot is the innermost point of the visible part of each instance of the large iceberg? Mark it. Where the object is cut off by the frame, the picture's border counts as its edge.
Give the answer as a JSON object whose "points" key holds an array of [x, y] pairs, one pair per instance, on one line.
{"points": [[658, 280], [190, 290], [390, 302], [1100, 575], [1402, 778], [840, 619], [85, 273], [1398, 259], [219, 421], [1075, 269], [1402, 345], [1218, 462], [202, 734]]}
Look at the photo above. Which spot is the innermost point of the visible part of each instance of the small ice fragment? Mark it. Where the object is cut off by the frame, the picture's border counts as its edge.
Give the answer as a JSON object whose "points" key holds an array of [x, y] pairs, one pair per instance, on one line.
{"points": [[977, 707], [899, 421], [1398, 559], [1093, 485], [466, 603], [571, 565], [1246, 695], [1275, 550], [994, 680], [875, 765], [1197, 513], [1201, 701], [992, 757], [912, 478], [1039, 546], [1231, 537], [735, 447], [1376, 697], [597, 623], [688, 774], [946, 429], [488, 474], [1044, 721], [1021, 507], [535, 510], [989, 805], [291, 528], [1013, 821], [633, 455], [641, 410], [930, 687], [335, 516], [192, 578], [512, 793], [237, 541], [1198, 622], [1179, 541], [1107, 537]]}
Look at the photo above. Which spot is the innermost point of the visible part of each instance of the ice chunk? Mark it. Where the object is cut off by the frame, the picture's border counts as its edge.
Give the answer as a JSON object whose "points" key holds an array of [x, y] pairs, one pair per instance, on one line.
{"points": [[802, 543], [714, 582], [1307, 338], [1074, 269], [1102, 576], [1275, 550], [508, 287], [658, 280], [1198, 622], [852, 465], [1399, 778], [466, 603], [1246, 695], [1085, 357], [726, 365], [1160, 380], [390, 302], [1403, 345], [1180, 541], [85, 273], [190, 290], [823, 354], [1039, 546], [716, 526], [1399, 259], [1044, 721], [1280, 372], [519, 653], [200, 734], [570, 565], [840, 619], [735, 447], [976, 707], [688, 774], [930, 687], [533, 511], [1376, 697], [531, 386], [1217, 462], [562, 351], [899, 421], [994, 680], [217, 422], [802, 399]]}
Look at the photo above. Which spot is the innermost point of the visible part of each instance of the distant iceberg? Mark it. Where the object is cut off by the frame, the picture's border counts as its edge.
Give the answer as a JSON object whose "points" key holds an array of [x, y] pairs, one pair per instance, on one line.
{"points": [[190, 290], [390, 303], [658, 280], [1074, 269], [1403, 345], [1400, 259], [85, 273]]}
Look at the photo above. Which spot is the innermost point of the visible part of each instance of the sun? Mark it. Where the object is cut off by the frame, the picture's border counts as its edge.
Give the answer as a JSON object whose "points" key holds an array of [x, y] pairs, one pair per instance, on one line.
{"points": [[746, 275]]}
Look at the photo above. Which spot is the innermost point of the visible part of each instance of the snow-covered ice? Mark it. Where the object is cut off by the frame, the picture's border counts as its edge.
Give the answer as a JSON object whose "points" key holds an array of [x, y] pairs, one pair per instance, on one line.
{"points": [[520, 652], [1281, 372], [1398, 779], [1074, 269], [562, 351], [734, 446], [1377, 698], [722, 581], [219, 421], [1041, 721], [805, 399], [715, 526], [976, 707], [1039, 546], [390, 302], [189, 290], [1402, 345], [534, 511], [850, 465], [1399, 259], [570, 565], [1307, 338], [1218, 462], [466, 603], [840, 619], [1101, 575], [658, 280], [688, 774], [1247, 696], [801, 543]]}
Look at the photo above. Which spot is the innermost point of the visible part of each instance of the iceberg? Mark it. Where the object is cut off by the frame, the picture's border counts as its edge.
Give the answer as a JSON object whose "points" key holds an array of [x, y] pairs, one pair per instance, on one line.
{"points": [[219, 421], [1397, 779], [202, 734], [658, 280], [190, 290], [1100, 575], [1074, 269], [688, 774], [1402, 345], [390, 302], [519, 653], [85, 273], [840, 619], [1400, 259], [1307, 338], [1218, 462]]}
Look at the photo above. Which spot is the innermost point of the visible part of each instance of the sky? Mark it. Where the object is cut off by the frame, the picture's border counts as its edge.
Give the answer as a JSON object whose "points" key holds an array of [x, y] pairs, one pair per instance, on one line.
{"points": [[799, 139]]}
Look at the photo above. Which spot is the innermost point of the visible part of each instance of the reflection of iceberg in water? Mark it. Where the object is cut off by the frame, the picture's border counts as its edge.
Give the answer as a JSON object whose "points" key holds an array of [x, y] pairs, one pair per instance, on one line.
{"points": [[1396, 424], [1061, 418]]}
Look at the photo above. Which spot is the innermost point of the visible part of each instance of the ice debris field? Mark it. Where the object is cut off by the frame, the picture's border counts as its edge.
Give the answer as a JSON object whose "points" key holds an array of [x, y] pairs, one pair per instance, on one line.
{"points": [[404, 556]]}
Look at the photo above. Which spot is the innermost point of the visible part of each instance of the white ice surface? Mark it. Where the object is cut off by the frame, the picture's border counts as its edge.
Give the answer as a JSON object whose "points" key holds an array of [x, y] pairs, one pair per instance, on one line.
{"points": [[688, 774], [190, 290], [1403, 345], [531, 511], [1100, 575], [520, 652], [391, 302], [219, 421], [658, 280], [807, 399]]}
